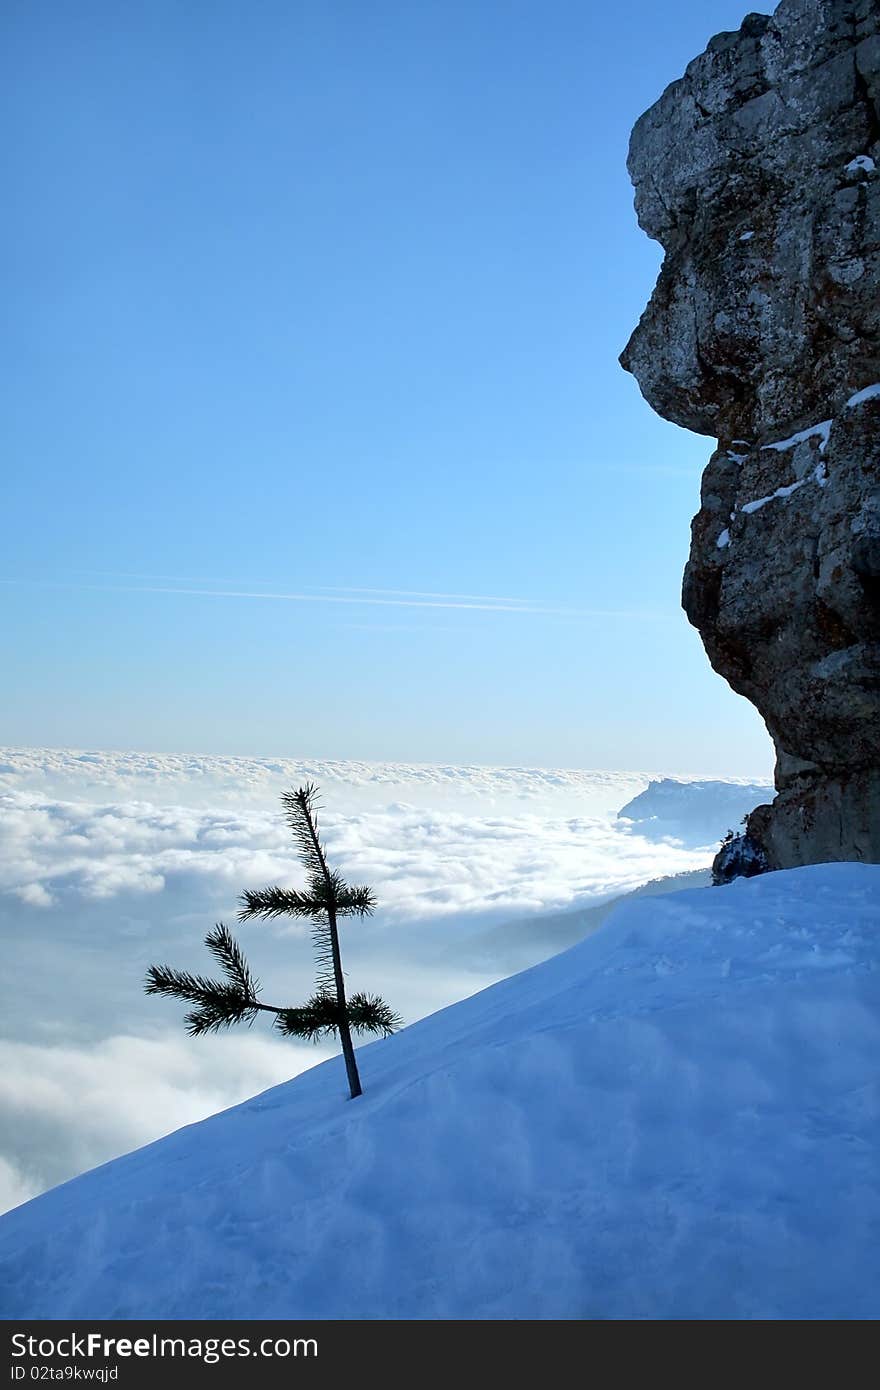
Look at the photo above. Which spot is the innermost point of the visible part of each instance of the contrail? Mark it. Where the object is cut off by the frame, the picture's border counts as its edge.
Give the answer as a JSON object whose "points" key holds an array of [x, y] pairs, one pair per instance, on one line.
{"points": [[358, 598], [428, 593], [318, 588]]}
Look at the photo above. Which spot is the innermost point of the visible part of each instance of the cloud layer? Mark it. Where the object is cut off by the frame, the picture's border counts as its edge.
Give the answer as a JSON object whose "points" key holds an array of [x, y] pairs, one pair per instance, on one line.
{"points": [[215, 780], [421, 863]]}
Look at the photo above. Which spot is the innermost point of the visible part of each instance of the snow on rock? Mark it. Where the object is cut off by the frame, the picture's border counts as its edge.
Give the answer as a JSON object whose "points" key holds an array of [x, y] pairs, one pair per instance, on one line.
{"points": [[823, 429], [862, 162], [678, 1118], [697, 812], [759, 502], [869, 393], [723, 539], [819, 475]]}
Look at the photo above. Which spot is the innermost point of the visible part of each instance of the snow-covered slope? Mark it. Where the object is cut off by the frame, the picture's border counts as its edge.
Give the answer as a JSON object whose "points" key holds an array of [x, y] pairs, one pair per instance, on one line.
{"points": [[679, 1117]]}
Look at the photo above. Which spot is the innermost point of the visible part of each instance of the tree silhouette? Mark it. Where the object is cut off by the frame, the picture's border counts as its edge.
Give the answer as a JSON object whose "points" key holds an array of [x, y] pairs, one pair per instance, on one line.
{"points": [[326, 898]]}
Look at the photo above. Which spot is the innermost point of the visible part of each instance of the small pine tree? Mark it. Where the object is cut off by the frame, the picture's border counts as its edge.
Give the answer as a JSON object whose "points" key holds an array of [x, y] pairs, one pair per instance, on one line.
{"points": [[327, 897]]}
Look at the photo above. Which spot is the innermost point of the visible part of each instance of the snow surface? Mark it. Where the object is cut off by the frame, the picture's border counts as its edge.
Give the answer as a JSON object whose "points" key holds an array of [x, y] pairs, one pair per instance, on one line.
{"points": [[861, 161], [723, 539], [678, 1118]]}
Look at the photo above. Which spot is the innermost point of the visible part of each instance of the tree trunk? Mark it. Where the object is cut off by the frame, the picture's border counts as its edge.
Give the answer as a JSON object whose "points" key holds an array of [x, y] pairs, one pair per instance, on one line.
{"points": [[354, 1080]]}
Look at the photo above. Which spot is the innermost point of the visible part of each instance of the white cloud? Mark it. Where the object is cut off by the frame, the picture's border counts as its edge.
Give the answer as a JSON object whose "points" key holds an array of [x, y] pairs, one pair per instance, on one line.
{"points": [[67, 1108], [420, 863], [34, 894], [15, 1188], [233, 782]]}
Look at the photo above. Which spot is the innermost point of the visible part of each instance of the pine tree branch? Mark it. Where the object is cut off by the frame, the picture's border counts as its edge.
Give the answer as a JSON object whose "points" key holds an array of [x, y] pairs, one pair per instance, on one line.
{"points": [[278, 902], [314, 1020], [321, 1016], [355, 902], [370, 1014], [219, 1003], [223, 946], [300, 814], [179, 984], [292, 902], [322, 945], [213, 1015]]}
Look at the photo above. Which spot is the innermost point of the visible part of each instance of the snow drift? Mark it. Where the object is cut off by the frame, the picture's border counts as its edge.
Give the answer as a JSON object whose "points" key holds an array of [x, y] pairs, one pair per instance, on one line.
{"points": [[677, 1118]]}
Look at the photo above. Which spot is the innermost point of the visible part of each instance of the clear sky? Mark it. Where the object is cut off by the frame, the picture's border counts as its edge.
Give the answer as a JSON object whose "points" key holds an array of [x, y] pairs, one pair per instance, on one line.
{"points": [[315, 441]]}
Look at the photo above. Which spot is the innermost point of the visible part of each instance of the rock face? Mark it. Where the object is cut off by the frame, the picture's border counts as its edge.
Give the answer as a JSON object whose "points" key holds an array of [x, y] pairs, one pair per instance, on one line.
{"points": [[756, 172]]}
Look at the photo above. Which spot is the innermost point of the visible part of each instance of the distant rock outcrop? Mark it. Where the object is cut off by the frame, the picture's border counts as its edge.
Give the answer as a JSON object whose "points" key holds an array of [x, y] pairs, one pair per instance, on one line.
{"points": [[698, 813], [759, 173]]}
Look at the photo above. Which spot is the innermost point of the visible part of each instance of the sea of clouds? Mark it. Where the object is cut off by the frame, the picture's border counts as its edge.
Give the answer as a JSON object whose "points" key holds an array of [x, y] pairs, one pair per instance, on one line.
{"points": [[112, 861]]}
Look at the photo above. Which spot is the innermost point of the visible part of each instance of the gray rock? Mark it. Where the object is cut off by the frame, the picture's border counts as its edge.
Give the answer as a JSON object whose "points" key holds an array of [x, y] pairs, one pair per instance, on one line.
{"points": [[759, 173]]}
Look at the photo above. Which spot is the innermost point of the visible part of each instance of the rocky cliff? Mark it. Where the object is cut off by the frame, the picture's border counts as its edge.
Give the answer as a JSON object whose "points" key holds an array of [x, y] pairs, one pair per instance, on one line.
{"points": [[759, 174]]}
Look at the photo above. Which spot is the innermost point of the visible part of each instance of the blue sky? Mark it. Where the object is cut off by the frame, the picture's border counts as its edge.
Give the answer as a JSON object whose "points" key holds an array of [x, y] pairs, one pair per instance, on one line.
{"points": [[323, 301]]}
